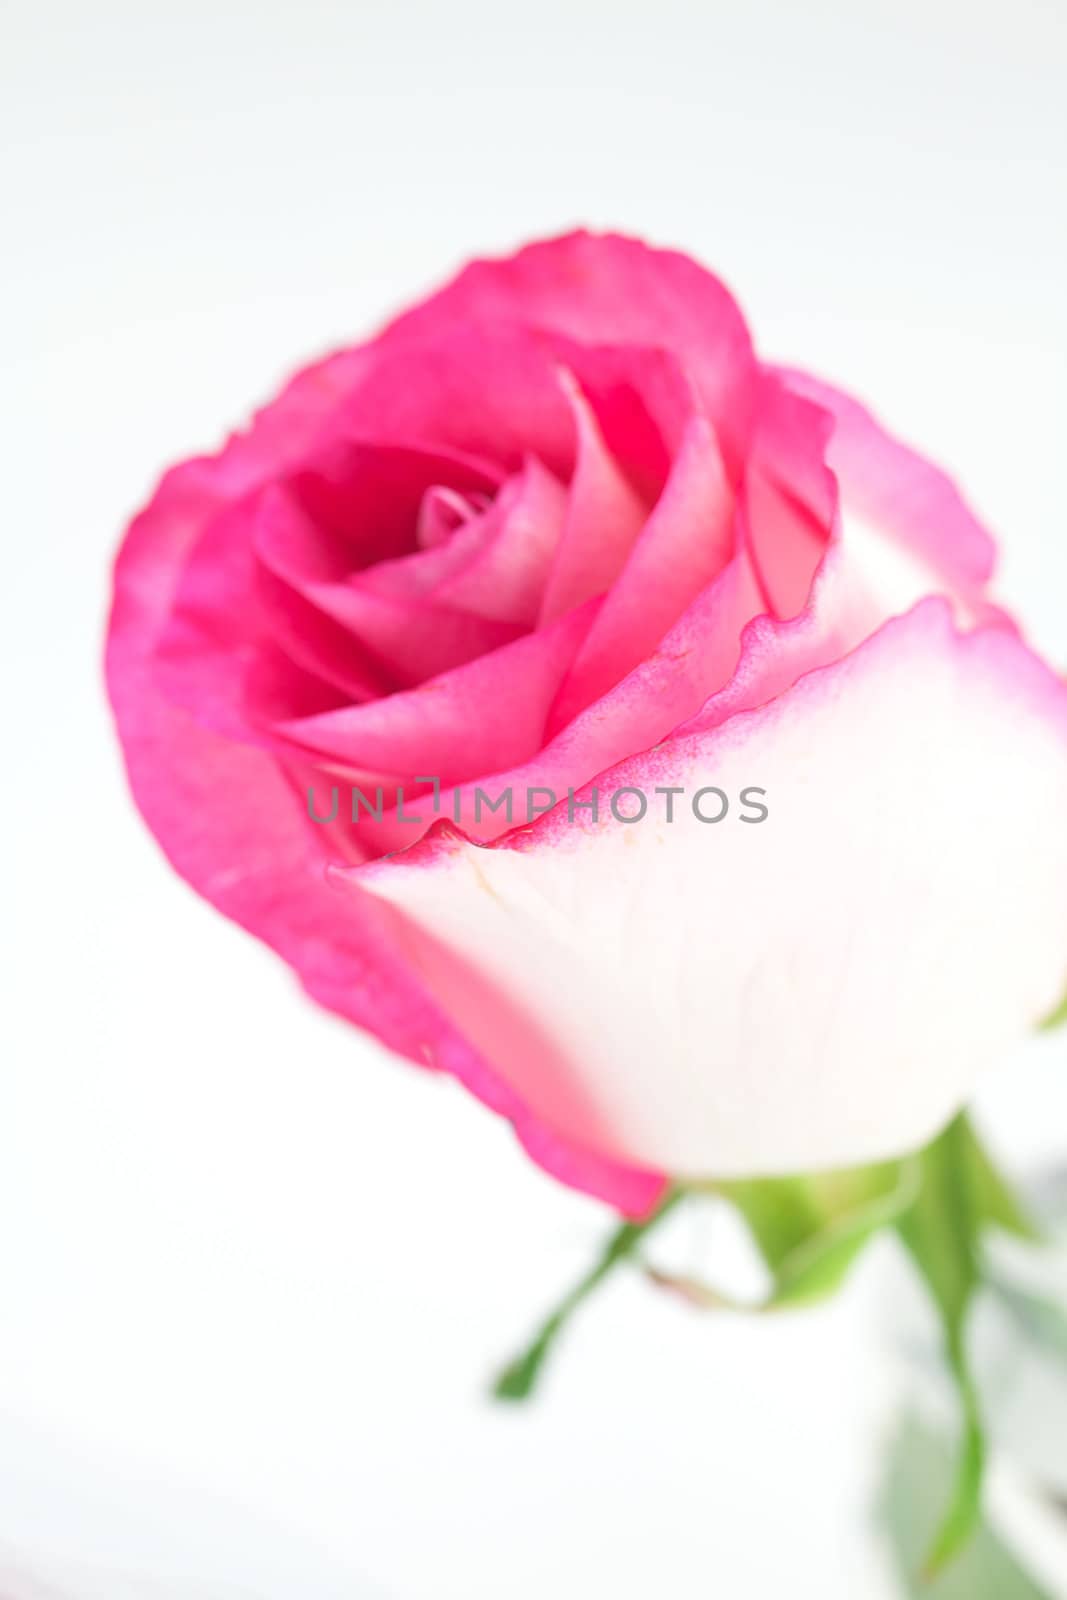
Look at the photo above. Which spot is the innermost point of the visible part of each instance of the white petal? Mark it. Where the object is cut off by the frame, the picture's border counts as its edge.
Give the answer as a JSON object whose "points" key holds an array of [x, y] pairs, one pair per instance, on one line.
{"points": [[814, 990]]}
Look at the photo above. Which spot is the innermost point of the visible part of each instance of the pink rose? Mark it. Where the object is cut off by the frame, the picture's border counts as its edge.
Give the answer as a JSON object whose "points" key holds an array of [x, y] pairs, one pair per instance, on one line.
{"points": [[559, 529]]}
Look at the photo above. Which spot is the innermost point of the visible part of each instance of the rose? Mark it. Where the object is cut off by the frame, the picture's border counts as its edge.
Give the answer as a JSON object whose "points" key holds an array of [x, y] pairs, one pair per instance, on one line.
{"points": [[559, 527]]}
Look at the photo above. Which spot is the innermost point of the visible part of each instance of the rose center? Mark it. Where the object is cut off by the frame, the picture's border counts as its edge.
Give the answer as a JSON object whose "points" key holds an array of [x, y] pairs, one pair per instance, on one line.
{"points": [[442, 511]]}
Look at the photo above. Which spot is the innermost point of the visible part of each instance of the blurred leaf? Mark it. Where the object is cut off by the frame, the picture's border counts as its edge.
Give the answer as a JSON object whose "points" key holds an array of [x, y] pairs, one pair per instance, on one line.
{"points": [[1048, 1195], [1040, 1320], [519, 1378], [919, 1477]]}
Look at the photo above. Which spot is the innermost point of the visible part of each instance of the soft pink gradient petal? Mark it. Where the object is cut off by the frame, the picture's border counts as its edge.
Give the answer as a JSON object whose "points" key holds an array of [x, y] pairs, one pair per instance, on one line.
{"points": [[483, 716], [420, 574], [506, 575], [819, 989], [671, 685], [409, 638], [483, 389], [642, 399], [231, 823], [684, 545], [869, 571], [905, 497], [495, 564], [789, 497], [362, 499], [606, 289], [603, 518]]}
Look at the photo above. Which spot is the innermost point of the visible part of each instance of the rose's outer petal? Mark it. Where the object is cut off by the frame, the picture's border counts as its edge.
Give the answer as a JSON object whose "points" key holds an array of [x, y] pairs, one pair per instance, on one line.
{"points": [[604, 289], [904, 497], [225, 815], [817, 989], [669, 687], [876, 565], [490, 391]]}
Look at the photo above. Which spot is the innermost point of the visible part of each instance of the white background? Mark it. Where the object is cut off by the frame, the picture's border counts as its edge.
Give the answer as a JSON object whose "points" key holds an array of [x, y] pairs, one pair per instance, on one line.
{"points": [[254, 1274]]}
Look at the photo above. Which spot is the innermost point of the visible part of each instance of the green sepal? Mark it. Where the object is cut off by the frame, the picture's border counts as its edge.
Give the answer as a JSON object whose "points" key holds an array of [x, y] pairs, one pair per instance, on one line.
{"points": [[809, 1231]]}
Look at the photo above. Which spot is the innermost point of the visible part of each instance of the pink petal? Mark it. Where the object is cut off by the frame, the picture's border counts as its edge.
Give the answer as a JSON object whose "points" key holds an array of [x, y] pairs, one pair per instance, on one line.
{"points": [[505, 577], [495, 565], [488, 391], [604, 516], [230, 823], [672, 684], [362, 499], [481, 717], [610, 290], [685, 543], [789, 497], [905, 497], [409, 638]]}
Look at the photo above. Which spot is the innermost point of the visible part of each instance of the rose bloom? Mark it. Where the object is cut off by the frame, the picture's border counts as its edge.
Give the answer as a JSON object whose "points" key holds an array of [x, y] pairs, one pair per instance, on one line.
{"points": [[559, 527]]}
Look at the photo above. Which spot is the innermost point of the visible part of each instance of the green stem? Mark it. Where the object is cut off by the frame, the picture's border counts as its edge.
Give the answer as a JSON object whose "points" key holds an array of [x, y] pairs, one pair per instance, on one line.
{"points": [[518, 1379], [942, 1231]]}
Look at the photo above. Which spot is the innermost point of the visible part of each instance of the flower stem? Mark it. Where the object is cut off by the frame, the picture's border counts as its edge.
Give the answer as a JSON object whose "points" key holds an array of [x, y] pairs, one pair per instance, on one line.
{"points": [[520, 1377]]}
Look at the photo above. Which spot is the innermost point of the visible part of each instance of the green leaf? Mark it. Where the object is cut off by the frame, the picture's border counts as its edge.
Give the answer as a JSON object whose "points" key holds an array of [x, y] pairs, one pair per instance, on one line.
{"points": [[808, 1230], [919, 1476], [519, 1378], [941, 1229]]}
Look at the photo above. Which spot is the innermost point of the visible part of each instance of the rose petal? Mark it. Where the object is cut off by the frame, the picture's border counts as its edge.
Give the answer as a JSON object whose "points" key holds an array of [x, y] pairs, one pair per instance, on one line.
{"points": [[486, 390], [789, 497], [685, 543], [481, 717], [227, 818], [411, 638], [506, 575], [610, 290], [604, 516], [672, 684], [817, 990], [906, 499], [870, 570], [496, 564], [362, 499]]}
